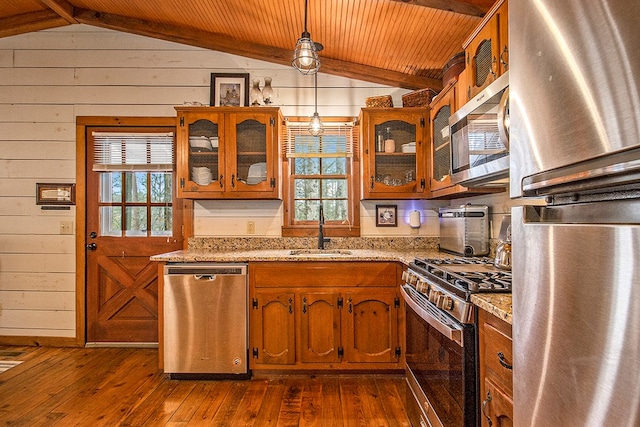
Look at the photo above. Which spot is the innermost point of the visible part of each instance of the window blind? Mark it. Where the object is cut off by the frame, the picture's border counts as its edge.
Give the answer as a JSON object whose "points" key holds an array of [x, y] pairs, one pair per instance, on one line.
{"points": [[119, 151], [336, 140]]}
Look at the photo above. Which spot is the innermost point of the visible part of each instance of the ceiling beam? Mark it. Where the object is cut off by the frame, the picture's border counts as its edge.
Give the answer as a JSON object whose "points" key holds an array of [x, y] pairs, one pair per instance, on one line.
{"points": [[464, 7], [62, 8], [250, 50], [28, 22]]}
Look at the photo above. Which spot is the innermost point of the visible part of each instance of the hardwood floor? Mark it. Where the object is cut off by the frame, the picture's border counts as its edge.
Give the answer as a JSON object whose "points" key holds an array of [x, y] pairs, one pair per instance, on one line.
{"points": [[123, 387]]}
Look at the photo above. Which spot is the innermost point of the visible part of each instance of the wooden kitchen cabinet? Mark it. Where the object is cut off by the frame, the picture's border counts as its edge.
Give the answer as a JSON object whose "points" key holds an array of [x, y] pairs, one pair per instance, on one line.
{"points": [[486, 52], [228, 153], [272, 325], [496, 374], [337, 315], [401, 171]]}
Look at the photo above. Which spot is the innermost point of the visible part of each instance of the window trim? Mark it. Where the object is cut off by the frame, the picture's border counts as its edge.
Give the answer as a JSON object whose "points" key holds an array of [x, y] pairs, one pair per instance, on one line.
{"points": [[330, 228]]}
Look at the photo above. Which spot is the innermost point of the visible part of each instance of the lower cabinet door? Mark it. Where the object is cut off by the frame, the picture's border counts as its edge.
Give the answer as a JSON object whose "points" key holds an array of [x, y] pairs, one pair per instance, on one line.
{"points": [[273, 328], [370, 326], [497, 406], [320, 327]]}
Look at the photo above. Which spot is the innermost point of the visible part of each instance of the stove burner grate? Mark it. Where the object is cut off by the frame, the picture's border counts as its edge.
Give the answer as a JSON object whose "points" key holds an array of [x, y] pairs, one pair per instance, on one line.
{"points": [[481, 275]]}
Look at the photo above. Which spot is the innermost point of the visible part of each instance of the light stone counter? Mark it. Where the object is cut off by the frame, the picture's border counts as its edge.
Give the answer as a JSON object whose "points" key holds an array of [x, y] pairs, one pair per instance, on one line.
{"points": [[497, 304], [200, 255]]}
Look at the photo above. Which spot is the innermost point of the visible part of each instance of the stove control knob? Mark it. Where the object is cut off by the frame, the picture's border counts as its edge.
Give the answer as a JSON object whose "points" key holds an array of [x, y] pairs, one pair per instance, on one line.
{"points": [[434, 295], [422, 286], [405, 274], [446, 303], [413, 279]]}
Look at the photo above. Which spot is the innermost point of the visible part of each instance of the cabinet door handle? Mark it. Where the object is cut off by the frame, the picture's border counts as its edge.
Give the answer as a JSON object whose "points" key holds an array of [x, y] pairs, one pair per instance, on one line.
{"points": [[504, 58], [290, 306], [221, 177], [350, 305], [233, 181], [503, 361], [494, 67], [484, 407], [304, 305], [372, 182]]}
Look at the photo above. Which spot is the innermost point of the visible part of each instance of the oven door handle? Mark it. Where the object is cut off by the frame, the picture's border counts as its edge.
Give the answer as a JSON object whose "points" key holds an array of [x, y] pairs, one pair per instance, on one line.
{"points": [[450, 331]]}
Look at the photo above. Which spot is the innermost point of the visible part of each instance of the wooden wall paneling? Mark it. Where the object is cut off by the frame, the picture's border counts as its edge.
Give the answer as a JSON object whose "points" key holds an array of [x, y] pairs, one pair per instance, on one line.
{"points": [[31, 281], [37, 149], [40, 300], [20, 113], [36, 76], [53, 169], [37, 244], [29, 263], [51, 131]]}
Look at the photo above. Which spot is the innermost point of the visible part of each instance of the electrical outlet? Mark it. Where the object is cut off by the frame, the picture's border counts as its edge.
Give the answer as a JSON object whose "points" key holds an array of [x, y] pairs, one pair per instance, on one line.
{"points": [[251, 227], [66, 227]]}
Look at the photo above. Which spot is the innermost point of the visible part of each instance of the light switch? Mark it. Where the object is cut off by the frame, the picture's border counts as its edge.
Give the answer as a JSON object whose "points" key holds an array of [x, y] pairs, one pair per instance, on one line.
{"points": [[251, 227], [66, 227]]}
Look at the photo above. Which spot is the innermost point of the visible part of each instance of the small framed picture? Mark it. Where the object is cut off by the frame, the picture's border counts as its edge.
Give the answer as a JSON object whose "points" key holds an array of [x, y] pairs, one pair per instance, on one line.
{"points": [[229, 90], [55, 194], [386, 216]]}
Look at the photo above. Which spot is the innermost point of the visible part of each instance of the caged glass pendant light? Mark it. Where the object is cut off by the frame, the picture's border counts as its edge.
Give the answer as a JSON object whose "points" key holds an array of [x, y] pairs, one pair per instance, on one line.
{"points": [[315, 125], [305, 57]]}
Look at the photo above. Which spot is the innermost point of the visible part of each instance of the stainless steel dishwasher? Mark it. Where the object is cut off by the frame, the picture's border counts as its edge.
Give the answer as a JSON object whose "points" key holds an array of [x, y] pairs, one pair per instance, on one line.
{"points": [[205, 320]]}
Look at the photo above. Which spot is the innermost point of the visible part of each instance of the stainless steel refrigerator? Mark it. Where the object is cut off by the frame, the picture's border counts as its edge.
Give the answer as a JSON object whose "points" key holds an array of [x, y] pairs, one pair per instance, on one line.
{"points": [[575, 143]]}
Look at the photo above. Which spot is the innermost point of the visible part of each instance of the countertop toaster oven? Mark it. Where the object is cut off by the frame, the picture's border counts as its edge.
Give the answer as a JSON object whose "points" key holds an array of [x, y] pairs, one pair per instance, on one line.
{"points": [[464, 229]]}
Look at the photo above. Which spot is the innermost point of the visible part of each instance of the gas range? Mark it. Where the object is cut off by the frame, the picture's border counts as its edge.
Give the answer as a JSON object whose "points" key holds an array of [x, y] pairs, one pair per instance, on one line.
{"points": [[441, 336], [448, 283]]}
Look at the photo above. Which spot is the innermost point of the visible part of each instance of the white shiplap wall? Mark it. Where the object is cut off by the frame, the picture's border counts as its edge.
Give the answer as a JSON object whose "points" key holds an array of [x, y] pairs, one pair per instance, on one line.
{"points": [[49, 78]]}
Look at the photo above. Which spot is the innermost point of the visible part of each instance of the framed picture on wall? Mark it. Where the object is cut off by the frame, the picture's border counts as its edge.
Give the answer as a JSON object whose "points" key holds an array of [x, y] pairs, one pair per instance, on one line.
{"points": [[386, 216], [229, 90]]}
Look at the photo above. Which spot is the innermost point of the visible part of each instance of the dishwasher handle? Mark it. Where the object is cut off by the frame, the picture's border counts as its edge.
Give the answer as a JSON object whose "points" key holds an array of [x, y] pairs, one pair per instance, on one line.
{"points": [[205, 271], [209, 277]]}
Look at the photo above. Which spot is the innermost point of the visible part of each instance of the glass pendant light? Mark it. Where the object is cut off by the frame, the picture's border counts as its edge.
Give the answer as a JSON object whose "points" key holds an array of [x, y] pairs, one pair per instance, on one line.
{"points": [[315, 125], [305, 57]]}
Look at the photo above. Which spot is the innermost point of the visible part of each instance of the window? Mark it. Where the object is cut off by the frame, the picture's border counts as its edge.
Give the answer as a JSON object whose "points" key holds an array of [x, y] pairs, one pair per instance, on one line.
{"points": [[135, 183], [320, 170]]}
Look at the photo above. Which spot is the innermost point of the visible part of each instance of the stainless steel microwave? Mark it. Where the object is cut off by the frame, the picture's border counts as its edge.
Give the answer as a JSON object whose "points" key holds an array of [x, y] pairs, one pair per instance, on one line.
{"points": [[479, 134]]}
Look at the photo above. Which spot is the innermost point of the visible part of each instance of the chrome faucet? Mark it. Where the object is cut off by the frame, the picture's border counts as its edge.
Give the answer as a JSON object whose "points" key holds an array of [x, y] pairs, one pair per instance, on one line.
{"points": [[321, 239]]}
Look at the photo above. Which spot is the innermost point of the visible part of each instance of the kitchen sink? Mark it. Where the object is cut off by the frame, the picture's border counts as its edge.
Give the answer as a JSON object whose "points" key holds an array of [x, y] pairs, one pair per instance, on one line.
{"points": [[319, 252]]}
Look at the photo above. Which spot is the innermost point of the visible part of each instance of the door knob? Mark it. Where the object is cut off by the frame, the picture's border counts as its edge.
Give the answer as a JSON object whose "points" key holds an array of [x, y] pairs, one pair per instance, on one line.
{"points": [[91, 246]]}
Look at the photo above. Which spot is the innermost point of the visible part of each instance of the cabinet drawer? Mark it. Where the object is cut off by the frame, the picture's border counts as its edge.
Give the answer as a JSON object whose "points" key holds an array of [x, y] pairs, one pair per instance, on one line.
{"points": [[323, 274], [497, 406], [498, 356]]}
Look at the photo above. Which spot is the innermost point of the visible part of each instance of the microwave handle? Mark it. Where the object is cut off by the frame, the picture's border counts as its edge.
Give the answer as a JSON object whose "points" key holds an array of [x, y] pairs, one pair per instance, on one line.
{"points": [[503, 118]]}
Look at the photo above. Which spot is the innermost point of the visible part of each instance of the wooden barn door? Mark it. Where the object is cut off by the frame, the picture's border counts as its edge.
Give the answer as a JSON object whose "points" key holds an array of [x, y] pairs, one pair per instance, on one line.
{"points": [[131, 214]]}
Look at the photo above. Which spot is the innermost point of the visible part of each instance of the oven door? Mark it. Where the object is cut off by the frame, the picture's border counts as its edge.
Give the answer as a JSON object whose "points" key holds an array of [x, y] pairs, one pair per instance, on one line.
{"points": [[441, 371]]}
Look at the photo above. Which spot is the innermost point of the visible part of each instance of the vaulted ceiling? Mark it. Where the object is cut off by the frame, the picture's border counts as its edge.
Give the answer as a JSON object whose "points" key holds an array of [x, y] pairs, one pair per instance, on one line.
{"points": [[401, 43]]}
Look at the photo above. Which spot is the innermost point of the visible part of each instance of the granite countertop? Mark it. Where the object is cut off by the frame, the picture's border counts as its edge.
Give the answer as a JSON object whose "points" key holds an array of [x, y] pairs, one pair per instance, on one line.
{"points": [[207, 255], [497, 304]]}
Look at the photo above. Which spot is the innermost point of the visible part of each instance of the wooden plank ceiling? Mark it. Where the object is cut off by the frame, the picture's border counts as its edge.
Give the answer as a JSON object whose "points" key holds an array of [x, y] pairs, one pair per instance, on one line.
{"points": [[402, 43]]}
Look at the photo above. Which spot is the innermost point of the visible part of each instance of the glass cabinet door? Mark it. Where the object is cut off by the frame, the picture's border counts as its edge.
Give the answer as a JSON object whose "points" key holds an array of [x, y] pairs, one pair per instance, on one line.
{"points": [[205, 164], [251, 153], [441, 149], [395, 155]]}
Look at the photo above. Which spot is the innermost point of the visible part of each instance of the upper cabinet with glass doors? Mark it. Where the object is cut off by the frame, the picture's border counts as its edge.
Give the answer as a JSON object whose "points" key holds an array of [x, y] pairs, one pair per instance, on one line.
{"points": [[486, 53], [394, 152], [440, 186], [228, 153]]}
